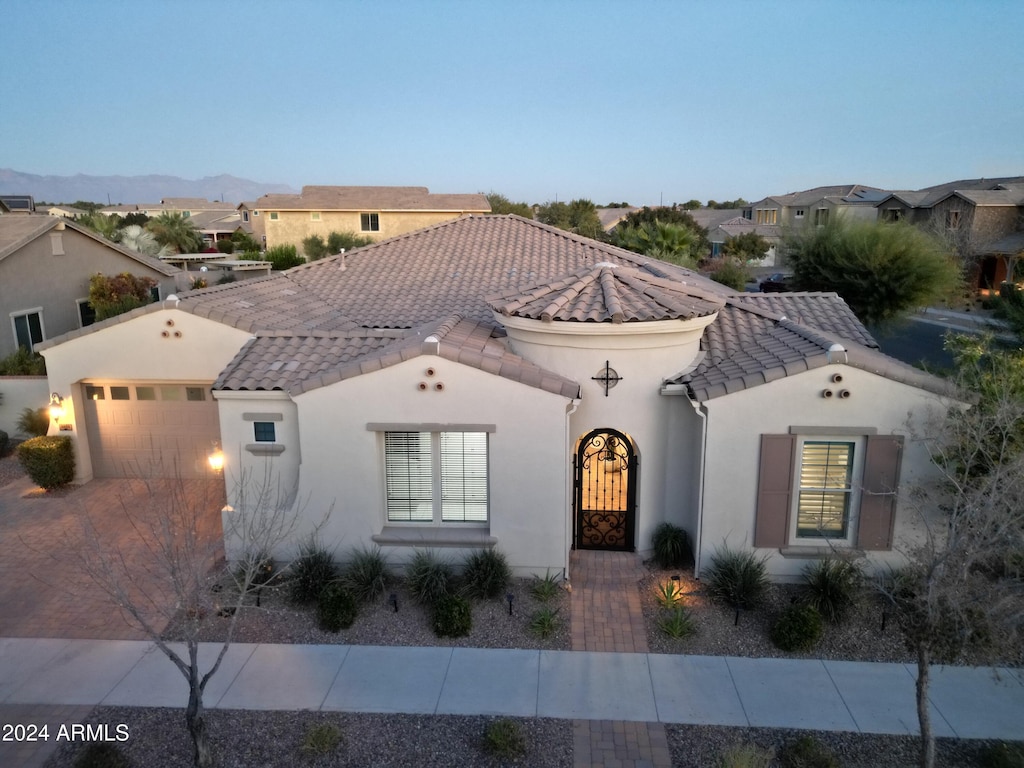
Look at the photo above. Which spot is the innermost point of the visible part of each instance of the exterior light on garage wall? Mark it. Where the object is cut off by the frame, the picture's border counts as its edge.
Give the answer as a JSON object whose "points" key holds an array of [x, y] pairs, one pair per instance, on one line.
{"points": [[216, 458], [56, 406]]}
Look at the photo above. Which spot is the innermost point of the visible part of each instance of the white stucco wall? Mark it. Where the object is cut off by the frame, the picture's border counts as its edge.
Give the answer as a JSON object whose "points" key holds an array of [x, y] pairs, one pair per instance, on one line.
{"points": [[340, 468], [736, 422], [194, 349], [644, 355]]}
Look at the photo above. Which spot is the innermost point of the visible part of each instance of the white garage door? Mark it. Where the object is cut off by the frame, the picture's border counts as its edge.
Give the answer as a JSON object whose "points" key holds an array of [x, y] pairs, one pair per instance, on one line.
{"points": [[143, 429]]}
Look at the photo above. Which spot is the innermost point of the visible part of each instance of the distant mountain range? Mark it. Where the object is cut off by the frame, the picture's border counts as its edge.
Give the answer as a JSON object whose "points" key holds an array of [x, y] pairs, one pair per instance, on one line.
{"points": [[132, 189]]}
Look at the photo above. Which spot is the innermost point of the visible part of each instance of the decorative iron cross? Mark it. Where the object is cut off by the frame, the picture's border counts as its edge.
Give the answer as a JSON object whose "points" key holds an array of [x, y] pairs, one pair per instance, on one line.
{"points": [[608, 377]]}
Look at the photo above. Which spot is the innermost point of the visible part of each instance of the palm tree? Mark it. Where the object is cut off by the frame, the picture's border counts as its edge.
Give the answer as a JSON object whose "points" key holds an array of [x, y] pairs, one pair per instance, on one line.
{"points": [[668, 242], [176, 232], [142, 241], [101, 224]]}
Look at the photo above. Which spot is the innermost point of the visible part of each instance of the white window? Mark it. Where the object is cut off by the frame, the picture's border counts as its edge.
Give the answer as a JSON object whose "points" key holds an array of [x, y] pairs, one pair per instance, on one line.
{"points": [[369, 222], [28, 328], [436, 477], [826, 489], [245, 215], [255, 213], [273, 215], [799, 213]]}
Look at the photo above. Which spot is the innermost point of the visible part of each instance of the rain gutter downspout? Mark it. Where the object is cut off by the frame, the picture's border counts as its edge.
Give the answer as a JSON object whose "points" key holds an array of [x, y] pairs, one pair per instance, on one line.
{"points": [[570, 489], [703, 416]]}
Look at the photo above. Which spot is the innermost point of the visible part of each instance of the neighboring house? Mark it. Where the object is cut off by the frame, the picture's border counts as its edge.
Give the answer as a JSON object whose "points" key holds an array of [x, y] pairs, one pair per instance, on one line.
{"points": [[981, 218], [737, 226], [186, 206], [63, 211], [18, 203], [611, 217], [45, 266], [375, 212], [218, 225], [495, 382], [816, 206]]}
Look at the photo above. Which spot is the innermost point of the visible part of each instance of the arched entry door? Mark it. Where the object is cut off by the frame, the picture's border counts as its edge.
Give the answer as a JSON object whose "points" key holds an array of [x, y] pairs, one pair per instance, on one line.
{"points": [[606, 475]]}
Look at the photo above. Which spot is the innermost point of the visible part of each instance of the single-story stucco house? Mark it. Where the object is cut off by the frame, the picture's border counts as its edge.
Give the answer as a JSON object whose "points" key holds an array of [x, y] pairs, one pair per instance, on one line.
{"points": [[494, 382]]}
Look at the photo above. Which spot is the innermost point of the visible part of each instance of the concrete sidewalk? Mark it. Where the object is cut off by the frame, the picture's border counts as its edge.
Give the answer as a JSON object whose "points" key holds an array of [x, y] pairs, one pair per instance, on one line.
{"points": [[778, 693]]}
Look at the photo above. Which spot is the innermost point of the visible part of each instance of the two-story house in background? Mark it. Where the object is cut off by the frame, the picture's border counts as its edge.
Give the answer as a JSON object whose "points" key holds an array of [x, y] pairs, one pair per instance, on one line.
{"points": [[375, 212]]}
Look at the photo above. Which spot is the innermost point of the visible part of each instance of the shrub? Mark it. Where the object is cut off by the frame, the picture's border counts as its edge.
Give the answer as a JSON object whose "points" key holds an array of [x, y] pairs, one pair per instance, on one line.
{"points": [[486, 574], [671, 546], [314, 247], [504, 738], [336, 608], [367, 574], [798, 628], [311, 572], [453, 616], [1002, 755], [677, 623], [101, 754], [544, 622], [745, 756], [49, 461], [281, 257], [117, 294], [833, 587], [729, 272], [5, 443], [347, 240], [669, 594], [23, 363], [225, 246], [807, 752], [429, 577], [321, 739], [739, 579], [34, 421], [545, 588]]}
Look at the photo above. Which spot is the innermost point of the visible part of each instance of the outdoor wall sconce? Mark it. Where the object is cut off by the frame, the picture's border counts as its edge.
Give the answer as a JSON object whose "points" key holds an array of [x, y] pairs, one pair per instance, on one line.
{"points": [[56, 406], [393, 601], [510, 597], [216, 458]]}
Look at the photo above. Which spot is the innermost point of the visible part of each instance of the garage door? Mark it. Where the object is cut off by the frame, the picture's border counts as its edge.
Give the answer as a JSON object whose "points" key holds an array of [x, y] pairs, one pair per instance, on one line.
{"points": [[148, 429]]}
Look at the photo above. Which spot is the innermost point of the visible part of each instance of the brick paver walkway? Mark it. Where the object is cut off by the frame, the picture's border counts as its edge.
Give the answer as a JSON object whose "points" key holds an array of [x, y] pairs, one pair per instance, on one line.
{"points": [[606, 616]]}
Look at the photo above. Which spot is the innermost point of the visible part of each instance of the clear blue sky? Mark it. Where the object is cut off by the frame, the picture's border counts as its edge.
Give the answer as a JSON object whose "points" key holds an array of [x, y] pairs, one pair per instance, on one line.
{"points": [[625, 101]]}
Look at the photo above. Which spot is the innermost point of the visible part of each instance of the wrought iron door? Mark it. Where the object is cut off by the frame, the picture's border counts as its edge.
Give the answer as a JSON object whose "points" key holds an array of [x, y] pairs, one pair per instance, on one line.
{"points": [[606, 478]]}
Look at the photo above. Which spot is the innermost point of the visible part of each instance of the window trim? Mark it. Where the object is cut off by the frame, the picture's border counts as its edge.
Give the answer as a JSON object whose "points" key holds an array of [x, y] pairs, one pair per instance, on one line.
{"points": [[273, 215], [79, 304], [264, 431], [856, 478], [369, 222], [26, 313], [314, 215]]}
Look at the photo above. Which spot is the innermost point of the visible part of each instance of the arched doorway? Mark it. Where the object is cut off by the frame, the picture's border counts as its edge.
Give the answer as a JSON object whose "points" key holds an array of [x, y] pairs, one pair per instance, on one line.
{"points": [[606, 476]]}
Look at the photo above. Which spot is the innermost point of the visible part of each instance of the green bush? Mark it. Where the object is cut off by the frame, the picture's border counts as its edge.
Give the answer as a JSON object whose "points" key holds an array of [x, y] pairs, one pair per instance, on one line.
{"points": [[677, 622], [336, 608], [429, 577], [1002, 755], [453, 616], [669, 594], [745, 756], [504, 738], [321, 739], [671, 546], [486, 574], [544, 622], [833, 587], [49, 461], [367, 574], [281, 257], [735, 578], [807, 752], [23, 363], [34, 421], [544, 588], [799, 628], [311, 572], [729, 272], [347, 240], [225, 246], [314, 247], [101, 754]]}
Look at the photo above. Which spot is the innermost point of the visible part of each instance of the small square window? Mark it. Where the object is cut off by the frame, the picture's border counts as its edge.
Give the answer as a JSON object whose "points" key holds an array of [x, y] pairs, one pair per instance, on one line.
{"points": [[145, 393], [255, 213], [369, 222], [170, 393], [195, 394], [94, 393], [264, 431], [799, 213], [119, 393], [314, 216], [273, 215]]}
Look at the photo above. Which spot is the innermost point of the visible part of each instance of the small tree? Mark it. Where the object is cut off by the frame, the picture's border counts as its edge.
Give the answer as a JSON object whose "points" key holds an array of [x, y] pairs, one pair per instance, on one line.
{"points": [[281, 257], [659, 240], [502, 205], [110, 296], [183, 552], [579, 216], [314, 247], [881, 269], [176, 232], [963, 586], [339, 241], [748, 246]]}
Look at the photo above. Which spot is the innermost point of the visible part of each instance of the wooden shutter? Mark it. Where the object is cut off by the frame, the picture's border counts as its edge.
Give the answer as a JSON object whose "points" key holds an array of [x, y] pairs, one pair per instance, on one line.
{"points": [[774, 491], [878, 497]]}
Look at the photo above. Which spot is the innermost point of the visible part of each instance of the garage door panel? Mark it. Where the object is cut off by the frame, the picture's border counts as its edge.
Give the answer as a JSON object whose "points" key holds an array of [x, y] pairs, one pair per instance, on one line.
{"points": [[168, 438]]}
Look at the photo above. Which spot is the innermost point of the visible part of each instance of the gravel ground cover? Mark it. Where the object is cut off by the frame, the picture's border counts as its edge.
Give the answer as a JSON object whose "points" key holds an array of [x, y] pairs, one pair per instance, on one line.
{"points": [[10, 470]]}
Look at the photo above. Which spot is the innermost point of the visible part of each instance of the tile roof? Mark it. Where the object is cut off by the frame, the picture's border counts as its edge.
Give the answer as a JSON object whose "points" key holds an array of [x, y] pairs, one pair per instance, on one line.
{"points": [[823, 310], [608, 292], [327, 198]]}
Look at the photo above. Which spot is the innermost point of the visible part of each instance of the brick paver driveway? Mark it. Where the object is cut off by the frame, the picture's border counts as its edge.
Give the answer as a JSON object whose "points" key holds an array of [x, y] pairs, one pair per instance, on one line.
{"points": [[44, 591]]}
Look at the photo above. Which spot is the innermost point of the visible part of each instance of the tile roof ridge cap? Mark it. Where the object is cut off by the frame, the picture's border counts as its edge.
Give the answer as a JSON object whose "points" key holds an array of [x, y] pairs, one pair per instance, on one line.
{"points": [[445, 326], [814, 335], [569, 289], [610, 290]]}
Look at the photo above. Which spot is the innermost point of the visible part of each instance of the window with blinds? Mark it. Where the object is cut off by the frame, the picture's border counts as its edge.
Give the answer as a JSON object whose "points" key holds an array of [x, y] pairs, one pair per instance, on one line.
{"points": [[436, 477], [823, 507]]}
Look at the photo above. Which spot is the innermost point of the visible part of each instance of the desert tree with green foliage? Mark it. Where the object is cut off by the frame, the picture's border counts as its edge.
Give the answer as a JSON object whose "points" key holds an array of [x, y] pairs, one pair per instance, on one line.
{"points": [[346, 241], [962, 588], [175, 231], [502, 205], [676, 215], [105, 226], [116, 294], [881, 269], [578, 216], [748, 246], [674, 243]]}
